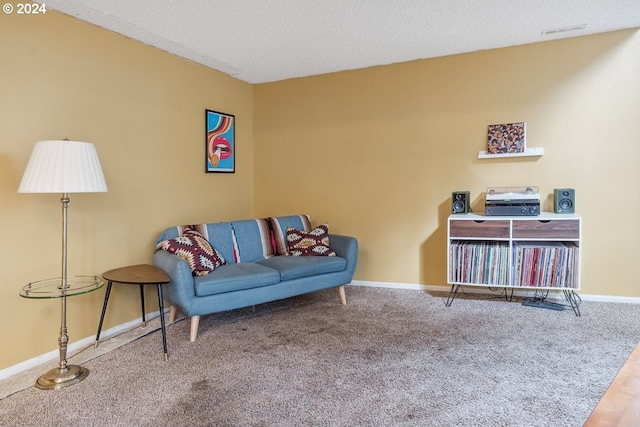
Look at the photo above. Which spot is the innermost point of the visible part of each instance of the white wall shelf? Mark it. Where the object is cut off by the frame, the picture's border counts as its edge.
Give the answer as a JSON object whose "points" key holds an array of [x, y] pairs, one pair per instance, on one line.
{"points": [[528, 152]]}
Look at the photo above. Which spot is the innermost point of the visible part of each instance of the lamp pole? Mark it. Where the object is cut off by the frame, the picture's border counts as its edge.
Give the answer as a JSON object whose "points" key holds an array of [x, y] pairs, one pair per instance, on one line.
{"points": [[64, 338], [64, 374]]}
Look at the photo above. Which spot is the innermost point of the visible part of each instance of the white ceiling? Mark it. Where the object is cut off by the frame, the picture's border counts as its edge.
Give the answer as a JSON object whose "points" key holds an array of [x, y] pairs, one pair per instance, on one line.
{"points": [[261, 41]]}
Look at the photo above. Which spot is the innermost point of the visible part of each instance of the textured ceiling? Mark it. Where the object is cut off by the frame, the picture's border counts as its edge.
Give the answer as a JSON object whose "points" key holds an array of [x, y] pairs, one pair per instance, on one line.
{"points": [[261, 41]]}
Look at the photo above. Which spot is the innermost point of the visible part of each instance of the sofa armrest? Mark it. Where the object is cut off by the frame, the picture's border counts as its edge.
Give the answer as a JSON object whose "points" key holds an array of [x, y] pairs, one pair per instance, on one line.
{"points": [[180, 291], [347, 248]]}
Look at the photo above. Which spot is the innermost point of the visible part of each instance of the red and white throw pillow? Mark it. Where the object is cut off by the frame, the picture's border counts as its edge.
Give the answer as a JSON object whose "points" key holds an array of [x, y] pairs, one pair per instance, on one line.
{"points": [[279, 227], [309, 243], [195, 250]]}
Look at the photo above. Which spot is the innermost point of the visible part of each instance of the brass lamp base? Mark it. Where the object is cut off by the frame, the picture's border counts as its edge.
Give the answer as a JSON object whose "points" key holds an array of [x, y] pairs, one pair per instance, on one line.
{"points": [[58, 378]]}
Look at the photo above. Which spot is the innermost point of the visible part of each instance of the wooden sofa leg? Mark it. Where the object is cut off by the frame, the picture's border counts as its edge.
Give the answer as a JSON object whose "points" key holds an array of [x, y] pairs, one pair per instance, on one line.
{"points": [[172, 314], [195, 321], [343, 296]]}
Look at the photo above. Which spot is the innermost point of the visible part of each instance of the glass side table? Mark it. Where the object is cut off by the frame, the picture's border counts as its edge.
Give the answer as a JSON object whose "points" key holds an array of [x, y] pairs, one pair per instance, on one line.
{"points": [[64, 375], [52, 288]]}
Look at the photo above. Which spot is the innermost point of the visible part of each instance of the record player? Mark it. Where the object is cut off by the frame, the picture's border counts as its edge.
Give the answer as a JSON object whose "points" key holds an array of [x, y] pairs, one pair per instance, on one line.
{"points": [[516, 201]]}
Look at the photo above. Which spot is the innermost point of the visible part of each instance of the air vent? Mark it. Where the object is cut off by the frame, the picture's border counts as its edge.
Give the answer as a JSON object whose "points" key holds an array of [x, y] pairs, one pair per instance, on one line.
{"points": [[564, 29]]}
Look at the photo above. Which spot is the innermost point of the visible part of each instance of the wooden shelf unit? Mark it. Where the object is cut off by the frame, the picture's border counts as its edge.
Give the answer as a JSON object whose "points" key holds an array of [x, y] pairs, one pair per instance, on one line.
{"points": [[539, 252]]}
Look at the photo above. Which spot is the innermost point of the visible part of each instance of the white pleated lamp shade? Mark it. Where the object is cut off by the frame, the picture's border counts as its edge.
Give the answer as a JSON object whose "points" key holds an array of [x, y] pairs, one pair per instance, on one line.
{"points": [[63, 167]]}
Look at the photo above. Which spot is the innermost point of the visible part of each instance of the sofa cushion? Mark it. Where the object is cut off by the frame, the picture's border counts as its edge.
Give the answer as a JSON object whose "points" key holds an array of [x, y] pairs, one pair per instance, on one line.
{"points": [[295, 267], [235, 277], [279, 227], [191, 246], [253, 239], [312, 243]]}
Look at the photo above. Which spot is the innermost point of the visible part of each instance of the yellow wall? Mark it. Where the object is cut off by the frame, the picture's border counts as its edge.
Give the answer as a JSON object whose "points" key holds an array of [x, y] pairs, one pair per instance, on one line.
{"points": [[377, 152], [144, 111]]}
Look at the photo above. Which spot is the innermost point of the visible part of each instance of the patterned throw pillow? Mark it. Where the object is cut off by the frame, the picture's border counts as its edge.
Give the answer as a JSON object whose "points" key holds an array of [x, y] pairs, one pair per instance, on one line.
{"points": [[279, 227], [195, 250], [309, 243]]}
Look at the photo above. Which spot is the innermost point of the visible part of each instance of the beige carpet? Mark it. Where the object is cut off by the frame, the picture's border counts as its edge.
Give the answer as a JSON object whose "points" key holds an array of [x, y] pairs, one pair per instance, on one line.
{"points": [[390, 357]]}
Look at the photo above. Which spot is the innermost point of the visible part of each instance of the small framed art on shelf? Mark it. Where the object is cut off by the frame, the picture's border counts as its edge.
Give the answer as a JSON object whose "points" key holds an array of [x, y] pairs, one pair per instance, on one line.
{"points": [[507, 138], [220, 142]]}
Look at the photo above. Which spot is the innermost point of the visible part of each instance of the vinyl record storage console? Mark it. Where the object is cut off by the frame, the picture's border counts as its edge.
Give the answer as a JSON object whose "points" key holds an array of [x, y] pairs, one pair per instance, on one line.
{"points": [[539, 252]]}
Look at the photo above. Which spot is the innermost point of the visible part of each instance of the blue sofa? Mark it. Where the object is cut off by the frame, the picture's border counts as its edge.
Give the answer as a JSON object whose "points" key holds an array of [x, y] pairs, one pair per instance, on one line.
{"points": [[258, 268]]}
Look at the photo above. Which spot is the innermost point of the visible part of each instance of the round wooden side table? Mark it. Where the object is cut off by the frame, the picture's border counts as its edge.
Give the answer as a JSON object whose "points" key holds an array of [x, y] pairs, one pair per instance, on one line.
{"points": [[141, 274]]}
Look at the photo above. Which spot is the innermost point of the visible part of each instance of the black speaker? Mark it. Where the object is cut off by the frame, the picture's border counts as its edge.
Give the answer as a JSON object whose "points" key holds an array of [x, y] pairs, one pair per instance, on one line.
{"points": [[460, 202], [564, 200]]}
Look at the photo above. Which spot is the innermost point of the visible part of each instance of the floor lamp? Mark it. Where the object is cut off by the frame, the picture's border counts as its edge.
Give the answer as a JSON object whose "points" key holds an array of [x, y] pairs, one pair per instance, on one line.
{"points": [[63, 167]]}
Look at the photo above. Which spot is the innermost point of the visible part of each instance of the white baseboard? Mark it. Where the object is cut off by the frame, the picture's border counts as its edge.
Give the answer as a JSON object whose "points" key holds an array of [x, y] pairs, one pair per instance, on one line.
{"points": [[75, 346], [484, 290]]}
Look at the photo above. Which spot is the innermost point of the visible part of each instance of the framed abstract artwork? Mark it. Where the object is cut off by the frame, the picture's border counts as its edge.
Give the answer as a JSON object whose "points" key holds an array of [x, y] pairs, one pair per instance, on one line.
{"points": [[507, 138], [220, 142]]}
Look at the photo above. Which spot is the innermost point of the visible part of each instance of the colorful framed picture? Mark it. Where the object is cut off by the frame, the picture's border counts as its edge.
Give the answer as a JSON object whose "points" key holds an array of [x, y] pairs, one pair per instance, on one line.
{"points": [[507, 138], [220, 142]]}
